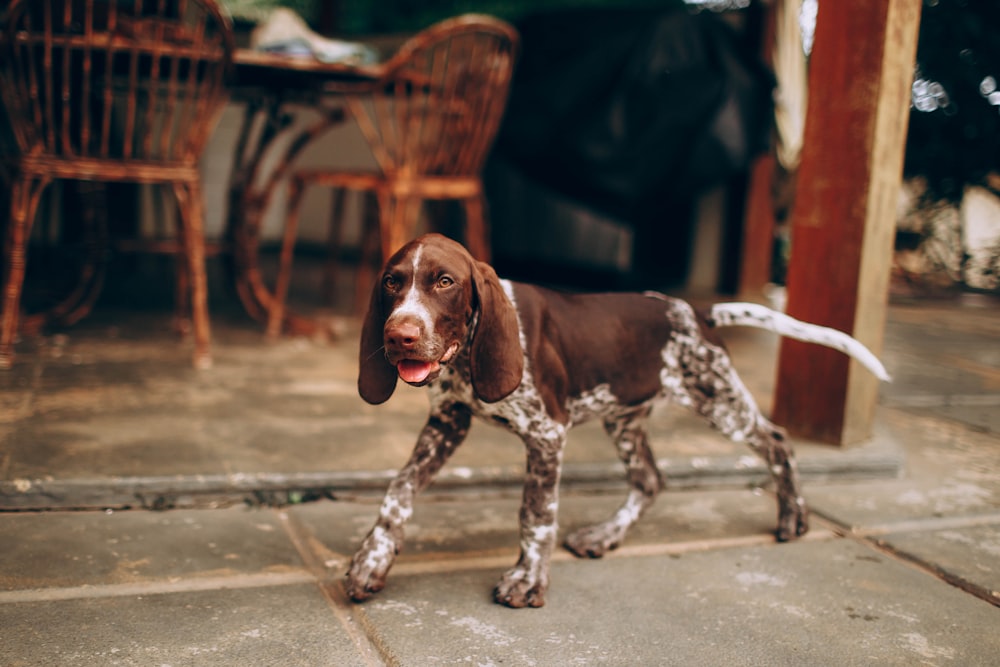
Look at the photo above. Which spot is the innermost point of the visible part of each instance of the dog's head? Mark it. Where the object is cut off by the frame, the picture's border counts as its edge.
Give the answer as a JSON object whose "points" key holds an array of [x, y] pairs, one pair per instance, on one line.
{"points": [[422, 307]]}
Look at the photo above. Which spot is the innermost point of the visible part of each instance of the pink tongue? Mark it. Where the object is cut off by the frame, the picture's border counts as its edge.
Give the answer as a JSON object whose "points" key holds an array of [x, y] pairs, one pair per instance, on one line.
{"points": [[413, 371]]}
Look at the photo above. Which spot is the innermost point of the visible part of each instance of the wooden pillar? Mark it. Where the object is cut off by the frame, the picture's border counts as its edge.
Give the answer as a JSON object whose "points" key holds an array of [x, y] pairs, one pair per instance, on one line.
{"points": [[758, 230], [759, 219], [843, 220]]}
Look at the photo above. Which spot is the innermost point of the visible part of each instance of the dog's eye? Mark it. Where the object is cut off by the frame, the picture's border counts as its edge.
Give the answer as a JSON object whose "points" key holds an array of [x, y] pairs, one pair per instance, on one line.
{"points": [[446, 281], [390, 283]]}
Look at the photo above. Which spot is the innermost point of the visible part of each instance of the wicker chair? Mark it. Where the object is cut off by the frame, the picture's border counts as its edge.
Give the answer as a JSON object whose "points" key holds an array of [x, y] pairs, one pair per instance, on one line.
{"points": [[430, 121], [112, 91]]}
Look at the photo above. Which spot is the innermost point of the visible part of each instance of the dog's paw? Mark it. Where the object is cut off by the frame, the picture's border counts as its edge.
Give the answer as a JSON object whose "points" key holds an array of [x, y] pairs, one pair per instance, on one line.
{"points": [[370, 565], [595, 541], [793, 521], [518, 588]]}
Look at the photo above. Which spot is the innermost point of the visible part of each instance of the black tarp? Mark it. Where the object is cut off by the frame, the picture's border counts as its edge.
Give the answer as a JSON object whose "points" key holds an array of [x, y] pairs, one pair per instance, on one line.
{"points": [[632, 113]]}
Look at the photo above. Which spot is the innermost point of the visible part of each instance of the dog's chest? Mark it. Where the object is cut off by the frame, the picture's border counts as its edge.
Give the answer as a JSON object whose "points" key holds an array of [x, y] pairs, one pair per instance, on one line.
{"points": [[523, 412]]}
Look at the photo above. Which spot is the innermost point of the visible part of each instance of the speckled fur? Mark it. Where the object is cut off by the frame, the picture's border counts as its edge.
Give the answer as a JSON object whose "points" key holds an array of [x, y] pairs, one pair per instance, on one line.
{"points": [[560, 385]]}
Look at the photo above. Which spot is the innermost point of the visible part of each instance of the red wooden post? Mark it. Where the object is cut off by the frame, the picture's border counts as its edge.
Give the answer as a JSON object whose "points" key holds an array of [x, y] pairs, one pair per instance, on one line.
{"points": [[843, 219], [758, 219], [758, 230]]}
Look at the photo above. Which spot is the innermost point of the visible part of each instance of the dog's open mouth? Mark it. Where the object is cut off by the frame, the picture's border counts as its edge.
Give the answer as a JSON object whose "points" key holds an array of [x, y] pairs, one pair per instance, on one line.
{"points": [[419, 371], [415, 371]]}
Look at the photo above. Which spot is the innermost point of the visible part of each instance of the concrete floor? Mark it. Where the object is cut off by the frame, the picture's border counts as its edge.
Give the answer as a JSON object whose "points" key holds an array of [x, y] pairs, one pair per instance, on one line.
{"points": [[238, 568]]}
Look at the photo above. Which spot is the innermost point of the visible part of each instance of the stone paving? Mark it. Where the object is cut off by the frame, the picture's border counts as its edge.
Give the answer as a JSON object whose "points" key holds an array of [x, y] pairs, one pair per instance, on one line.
{"points": [[902, 565]]}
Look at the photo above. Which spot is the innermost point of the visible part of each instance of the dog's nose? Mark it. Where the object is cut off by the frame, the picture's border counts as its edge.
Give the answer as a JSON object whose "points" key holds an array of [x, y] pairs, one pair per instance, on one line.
{"points": [[403, 335]]}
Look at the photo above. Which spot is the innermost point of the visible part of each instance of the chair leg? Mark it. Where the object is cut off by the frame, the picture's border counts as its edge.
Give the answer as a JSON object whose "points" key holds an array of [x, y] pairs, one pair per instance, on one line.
{"points": [[24, 196], [397, 221], [476, 228], [276, 313], [387, 206], [181, 323], [334, 240], [79, 302], [182, 293], [370, 258], [95, 217], [189, 198]]}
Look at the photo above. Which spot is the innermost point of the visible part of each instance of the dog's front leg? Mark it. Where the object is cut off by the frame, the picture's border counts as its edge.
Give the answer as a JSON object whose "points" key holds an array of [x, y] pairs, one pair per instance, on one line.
{"points": [[525, 584], [444, 432]]}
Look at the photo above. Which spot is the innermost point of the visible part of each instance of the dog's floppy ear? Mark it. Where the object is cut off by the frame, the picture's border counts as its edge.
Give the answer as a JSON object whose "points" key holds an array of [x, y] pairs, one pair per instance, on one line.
{"points": [[376, 377], [496, 359]]}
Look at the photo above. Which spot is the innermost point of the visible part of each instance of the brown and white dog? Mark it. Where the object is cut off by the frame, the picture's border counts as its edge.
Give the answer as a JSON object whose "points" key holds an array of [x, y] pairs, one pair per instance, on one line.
{"points": [[537, 362]]}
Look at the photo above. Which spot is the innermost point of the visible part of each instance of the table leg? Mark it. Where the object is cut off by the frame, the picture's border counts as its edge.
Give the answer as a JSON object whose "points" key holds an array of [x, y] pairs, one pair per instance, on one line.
{"points": [[250, 196]]}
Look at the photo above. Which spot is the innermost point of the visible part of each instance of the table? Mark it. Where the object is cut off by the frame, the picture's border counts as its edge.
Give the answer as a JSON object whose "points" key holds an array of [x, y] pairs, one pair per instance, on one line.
{"points": [[268, 83]]}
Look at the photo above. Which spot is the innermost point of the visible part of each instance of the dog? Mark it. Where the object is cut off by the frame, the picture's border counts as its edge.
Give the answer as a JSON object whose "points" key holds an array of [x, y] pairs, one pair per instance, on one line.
{"points": [[537, 362]]}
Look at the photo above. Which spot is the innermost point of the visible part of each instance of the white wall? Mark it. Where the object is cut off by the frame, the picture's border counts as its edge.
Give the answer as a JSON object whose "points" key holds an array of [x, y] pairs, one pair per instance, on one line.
{"points": [[341, 147]]}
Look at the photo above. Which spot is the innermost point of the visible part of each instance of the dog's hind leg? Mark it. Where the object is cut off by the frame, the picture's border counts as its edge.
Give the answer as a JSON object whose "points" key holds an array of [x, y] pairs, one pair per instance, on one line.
{"points": [[444, 432], [768, 441], [630, 436], [716, 392], [697, 372]]}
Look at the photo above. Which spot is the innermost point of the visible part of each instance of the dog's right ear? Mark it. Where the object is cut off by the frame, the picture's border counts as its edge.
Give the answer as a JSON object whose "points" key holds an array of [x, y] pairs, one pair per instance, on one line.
{"points": [[376, 377]]}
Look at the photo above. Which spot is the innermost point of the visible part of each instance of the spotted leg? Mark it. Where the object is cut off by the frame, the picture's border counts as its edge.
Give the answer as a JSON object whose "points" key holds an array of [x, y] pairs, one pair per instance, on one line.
{"points": [[716, 392], [793, 515], [444, 432], [525, 584], [630, 436]]}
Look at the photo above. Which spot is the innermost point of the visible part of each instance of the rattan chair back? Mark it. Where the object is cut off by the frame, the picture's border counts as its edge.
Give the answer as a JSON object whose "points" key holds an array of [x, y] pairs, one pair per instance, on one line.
{"points": [[439, 103], [123, 87], [111, 90]]}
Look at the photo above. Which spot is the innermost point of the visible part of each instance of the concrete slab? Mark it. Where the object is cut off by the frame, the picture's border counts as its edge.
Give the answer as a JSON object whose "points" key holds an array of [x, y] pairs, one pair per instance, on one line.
{"points": [[86, 549], [966, 555], [112, 413], [951, 471], [223, 587], [288, 625], [477, 526], [699, 581], [813, 602], [112, 416], [945, 361]]}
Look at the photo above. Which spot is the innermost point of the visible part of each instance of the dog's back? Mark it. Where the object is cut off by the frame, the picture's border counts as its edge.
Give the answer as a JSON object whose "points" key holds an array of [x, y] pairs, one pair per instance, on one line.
{"points": [[582, 341]]}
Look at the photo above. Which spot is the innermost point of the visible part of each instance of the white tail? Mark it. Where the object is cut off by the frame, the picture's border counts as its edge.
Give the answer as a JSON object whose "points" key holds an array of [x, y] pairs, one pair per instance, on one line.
{"points": [[762, 317]]}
